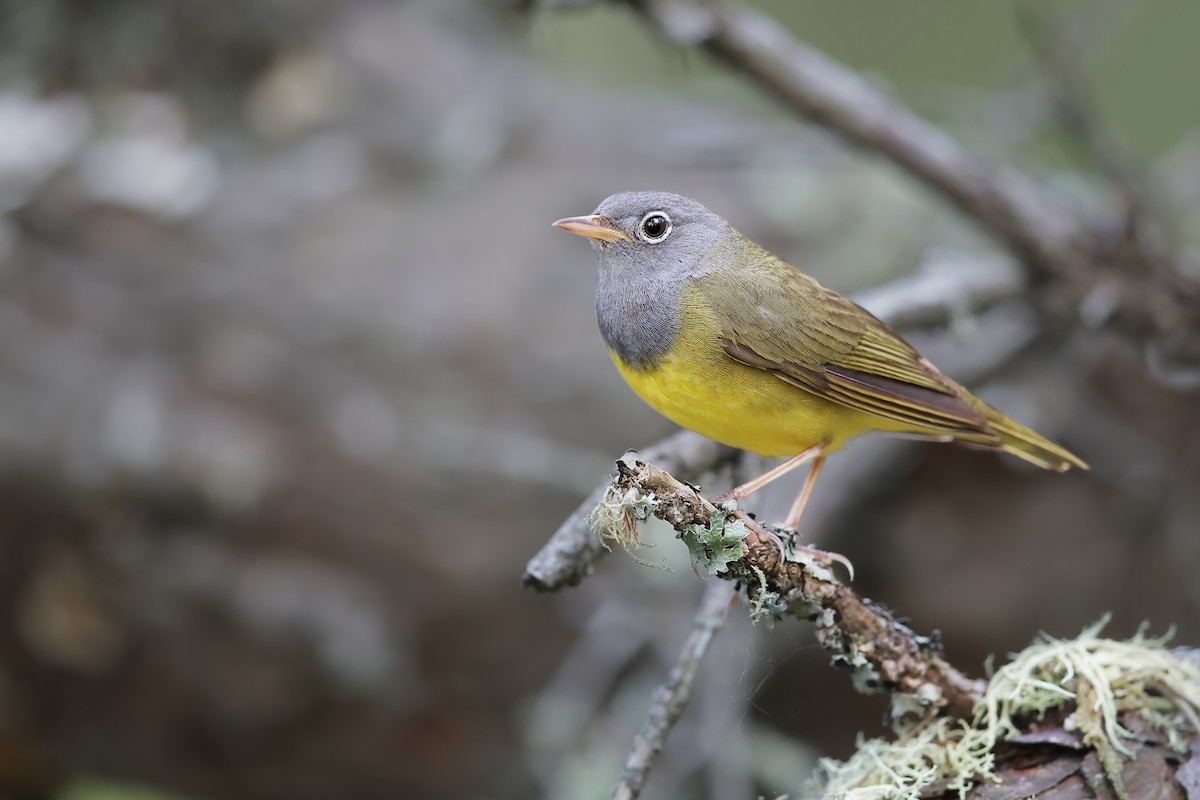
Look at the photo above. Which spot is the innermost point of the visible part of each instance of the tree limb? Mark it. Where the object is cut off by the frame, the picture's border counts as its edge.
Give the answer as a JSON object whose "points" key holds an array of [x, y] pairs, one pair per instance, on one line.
{"points": [[1004, 202], [1055, 45], [884, 652], [573, 550], [671, 698]]}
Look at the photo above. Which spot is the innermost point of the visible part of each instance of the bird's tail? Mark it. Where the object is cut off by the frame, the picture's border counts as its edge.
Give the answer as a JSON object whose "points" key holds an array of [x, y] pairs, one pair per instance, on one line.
{"points": [[1024, 443]]}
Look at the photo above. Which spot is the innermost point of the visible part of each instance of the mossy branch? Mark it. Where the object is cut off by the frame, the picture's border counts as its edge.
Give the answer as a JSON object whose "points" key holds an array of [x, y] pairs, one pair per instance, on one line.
{"points": [[885, 654], [1085, 717]]}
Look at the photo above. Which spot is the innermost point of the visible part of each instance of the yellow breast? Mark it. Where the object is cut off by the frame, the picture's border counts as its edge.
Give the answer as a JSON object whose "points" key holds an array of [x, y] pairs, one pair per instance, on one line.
{"points": [[697, 385]]}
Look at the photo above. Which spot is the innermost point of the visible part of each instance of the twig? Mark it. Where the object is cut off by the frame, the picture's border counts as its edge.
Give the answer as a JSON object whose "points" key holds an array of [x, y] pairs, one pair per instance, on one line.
{"points": [[671, 698], [1135, 288], [1058, 53], [1016, 112], [885, 653], [1004, 202]]}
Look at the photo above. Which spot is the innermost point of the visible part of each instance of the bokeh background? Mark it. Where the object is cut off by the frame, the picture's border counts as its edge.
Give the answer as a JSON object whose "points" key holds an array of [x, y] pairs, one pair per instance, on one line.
{"points": [[295, 377]]}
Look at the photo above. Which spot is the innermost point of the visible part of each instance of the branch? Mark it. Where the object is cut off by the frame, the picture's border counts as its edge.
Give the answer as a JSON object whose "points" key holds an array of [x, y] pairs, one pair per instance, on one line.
{"points": [[572, 552], [1127, 286], [1004, 202], [1057, 50], [671, 698], [885, 653]]}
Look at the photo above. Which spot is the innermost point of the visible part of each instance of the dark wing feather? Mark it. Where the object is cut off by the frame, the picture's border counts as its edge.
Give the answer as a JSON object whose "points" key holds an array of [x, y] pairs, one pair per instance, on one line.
{"points": [[827, 345]]}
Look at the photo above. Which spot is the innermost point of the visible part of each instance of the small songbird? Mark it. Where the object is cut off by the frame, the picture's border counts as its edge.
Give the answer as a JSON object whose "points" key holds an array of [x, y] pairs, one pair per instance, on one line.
{"points": [[724, 338]]}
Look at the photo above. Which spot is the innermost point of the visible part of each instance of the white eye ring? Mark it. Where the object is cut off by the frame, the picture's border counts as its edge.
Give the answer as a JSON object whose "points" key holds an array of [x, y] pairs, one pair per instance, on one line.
{"points": [[646, 235]]}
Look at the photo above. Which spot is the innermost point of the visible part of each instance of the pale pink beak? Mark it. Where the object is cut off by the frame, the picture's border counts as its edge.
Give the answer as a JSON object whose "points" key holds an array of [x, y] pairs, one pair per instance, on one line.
{"points": [[592, 226]]}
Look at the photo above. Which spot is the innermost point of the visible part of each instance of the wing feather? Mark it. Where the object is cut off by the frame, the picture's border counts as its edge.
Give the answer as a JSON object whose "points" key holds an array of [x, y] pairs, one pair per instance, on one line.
{"points": [[786, 323]]}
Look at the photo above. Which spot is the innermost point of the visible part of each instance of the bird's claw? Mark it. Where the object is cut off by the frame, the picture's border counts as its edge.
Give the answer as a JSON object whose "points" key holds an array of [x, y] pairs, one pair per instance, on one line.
{"points": [[823, 557], [828, 559]]}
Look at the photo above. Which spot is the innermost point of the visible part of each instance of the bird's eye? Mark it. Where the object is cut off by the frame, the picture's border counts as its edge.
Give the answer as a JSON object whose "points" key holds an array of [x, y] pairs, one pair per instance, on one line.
{"points": [[655, 227]]}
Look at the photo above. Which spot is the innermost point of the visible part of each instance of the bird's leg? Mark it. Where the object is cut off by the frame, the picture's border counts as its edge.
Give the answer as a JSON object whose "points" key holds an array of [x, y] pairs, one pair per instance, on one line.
{"points": [[740, 493], [763, 532], [815, 454], [793, 517]]}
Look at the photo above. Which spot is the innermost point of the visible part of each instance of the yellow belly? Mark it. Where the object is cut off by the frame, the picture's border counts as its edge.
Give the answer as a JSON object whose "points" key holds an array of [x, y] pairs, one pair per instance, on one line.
{"points": [[697, 385]]}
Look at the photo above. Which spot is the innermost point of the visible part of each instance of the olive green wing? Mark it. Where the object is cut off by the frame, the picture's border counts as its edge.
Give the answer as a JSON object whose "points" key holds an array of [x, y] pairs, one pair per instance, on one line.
{"points": [[782, 321]]}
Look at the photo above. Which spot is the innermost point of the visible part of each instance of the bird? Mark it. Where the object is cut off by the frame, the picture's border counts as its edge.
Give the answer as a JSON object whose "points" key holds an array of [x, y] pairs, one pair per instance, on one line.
{"points": [[724, 338]]}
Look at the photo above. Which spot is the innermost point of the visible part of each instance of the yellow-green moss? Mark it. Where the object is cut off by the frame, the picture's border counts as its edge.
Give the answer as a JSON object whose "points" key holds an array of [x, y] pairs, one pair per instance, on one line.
{"points": [[1101, 677]]}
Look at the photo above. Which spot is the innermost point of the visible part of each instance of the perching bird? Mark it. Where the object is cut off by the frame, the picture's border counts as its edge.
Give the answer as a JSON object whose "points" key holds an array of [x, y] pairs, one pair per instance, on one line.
{"points": [[724, 338]]}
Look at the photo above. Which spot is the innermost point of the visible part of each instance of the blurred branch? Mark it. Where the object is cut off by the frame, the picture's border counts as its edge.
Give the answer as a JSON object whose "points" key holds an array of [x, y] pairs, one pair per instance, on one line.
{"points": [[1128, 287], [945, 290], [1017, 111], [1004, 202], [671, 698], [1060, 57], [885, 652]]}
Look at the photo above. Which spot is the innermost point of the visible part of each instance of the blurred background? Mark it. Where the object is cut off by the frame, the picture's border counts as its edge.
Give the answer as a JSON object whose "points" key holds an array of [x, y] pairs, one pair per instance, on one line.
{"points": [[295, 376]]}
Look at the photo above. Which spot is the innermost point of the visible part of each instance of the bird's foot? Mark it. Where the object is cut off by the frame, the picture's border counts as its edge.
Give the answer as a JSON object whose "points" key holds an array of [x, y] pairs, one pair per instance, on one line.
{"points": [[823, 557], [790, 548], [724, 498], [723, 501]]}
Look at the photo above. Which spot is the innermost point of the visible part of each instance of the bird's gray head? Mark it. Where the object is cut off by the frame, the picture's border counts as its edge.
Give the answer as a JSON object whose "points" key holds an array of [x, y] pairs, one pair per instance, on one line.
{"points": [[649, 233], [649, 245]]}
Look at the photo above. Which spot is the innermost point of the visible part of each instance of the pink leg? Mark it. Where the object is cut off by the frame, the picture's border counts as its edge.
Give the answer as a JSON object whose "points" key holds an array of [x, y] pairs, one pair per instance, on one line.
{"points": [[749, 487], [817, 456], [793, 517]]}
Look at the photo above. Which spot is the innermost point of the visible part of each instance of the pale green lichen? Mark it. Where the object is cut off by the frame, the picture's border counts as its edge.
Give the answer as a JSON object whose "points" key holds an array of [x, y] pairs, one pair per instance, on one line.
{"points": [[907, 707], [1101, 677], [898, 770], [764, 604], [863, 674], [617, 517], [715, 545]]}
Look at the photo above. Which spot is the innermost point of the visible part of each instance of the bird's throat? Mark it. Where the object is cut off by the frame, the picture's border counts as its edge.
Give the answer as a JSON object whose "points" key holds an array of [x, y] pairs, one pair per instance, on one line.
{"points": [[639, 320]]}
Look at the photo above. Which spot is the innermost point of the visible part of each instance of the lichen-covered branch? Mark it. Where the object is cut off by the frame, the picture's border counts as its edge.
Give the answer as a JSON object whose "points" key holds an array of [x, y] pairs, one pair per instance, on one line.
{"points": [[1084, 718], [885, 653], [573, 550], [671, 698]]}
